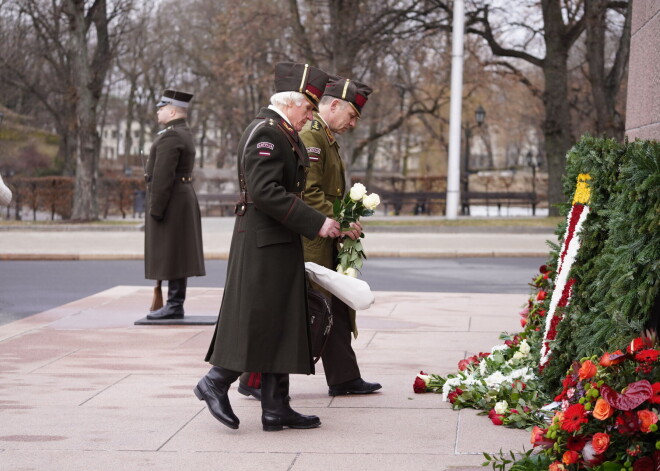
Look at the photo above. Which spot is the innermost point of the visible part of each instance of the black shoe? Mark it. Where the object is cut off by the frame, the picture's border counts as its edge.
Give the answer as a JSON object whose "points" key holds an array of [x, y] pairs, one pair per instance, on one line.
{"points": [[276, 413], [272, 422], [165, 312], [246, 390], [217, 401], [355, 386]]}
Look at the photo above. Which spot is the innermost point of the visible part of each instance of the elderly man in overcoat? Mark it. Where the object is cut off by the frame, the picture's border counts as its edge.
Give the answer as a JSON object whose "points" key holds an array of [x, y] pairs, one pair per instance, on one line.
{"points": [[173, 230], [263, 321], [339, 110]]}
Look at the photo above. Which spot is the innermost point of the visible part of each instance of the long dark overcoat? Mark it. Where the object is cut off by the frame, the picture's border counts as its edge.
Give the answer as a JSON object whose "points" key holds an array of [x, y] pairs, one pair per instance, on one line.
{"points": [[263, 322], [173, 227]]}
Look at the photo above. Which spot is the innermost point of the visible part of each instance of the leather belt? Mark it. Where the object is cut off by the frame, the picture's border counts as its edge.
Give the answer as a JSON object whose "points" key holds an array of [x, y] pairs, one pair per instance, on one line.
{"points": [[247, 199], [179, 177]]}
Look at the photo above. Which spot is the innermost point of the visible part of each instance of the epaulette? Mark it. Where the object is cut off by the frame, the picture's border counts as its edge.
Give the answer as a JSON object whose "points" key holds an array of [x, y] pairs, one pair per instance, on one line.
{"points": [[164, 130]]}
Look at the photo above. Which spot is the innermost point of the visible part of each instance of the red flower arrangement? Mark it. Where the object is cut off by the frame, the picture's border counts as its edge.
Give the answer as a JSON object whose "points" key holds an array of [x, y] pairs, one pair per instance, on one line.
{"points": [[609, 414]]}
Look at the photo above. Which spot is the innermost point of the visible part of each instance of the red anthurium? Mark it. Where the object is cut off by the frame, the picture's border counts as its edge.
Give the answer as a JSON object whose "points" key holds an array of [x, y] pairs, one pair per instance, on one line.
{"points": [[634, 395], [609, 359]]}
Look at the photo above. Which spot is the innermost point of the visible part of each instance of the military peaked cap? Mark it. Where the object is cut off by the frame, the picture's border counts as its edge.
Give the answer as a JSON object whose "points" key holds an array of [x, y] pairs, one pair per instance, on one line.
{"points": [[352, 91], [301, 78], [176, 98]]}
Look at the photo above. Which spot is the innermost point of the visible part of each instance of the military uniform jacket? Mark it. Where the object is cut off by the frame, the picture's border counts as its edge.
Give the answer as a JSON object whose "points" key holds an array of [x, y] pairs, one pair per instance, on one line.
{"points": [[326, 182], [263, 321], [173, 229]]}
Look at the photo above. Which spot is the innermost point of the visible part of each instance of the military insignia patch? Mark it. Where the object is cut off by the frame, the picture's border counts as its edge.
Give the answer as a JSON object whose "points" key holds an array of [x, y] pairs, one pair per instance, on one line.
{"points": [[316, 125], [313, 150], [265, 145]]}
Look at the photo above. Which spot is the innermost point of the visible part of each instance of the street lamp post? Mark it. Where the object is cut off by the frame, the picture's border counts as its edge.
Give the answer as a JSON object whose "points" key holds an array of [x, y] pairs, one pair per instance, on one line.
{"points": [[479, 116], [533, 163]]}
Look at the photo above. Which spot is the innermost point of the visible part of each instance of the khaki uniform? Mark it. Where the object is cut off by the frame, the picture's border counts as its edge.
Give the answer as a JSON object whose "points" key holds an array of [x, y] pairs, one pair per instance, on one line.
{"points": [[263, 323], [326, 182], [173, 228]]}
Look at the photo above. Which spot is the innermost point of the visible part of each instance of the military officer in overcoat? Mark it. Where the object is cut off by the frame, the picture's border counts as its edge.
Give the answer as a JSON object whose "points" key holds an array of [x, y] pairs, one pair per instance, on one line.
{"points": [[339, 109], [173, 230], [263, 321]]}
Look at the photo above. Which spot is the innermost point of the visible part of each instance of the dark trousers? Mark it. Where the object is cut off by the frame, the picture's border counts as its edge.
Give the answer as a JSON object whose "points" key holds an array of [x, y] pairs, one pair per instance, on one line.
{"points": [[339, 361]]}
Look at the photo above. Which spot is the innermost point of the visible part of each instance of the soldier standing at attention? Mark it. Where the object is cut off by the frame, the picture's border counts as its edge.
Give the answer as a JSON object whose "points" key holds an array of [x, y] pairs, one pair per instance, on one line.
{"points": [[263, 322], [173, 230], [339, 110]]}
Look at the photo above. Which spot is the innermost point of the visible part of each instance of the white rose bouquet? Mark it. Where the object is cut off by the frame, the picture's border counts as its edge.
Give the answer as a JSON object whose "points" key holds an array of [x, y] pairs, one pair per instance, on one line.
{"points": [[350, 209]]}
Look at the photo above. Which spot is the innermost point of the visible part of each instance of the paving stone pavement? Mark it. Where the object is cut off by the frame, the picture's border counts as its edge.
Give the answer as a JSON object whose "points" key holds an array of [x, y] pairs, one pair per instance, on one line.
{"points": [[83, 388]]}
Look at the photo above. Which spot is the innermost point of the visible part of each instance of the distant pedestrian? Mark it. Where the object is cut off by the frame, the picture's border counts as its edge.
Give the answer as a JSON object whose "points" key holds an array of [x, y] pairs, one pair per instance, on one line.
{"points": [[263, 322], [173, 231], [5, 193]]}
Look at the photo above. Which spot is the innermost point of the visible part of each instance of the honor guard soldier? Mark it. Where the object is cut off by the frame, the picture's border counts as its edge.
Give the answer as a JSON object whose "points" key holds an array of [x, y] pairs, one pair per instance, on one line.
{"points": [[339, 110], [263, 323], [173, 231]]}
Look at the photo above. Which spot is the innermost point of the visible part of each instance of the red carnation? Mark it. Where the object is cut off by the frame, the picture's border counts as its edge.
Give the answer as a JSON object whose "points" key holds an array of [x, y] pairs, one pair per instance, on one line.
{"points": [[574, 417], [655, 398], [647, 356]]}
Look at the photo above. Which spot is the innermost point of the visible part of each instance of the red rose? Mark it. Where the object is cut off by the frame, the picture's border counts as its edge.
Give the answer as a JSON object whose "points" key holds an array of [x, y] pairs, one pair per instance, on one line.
{"points": [[570, 457], [655, 398], [600, 442], [543, 269], [454, 394], [609, 359], [523, 322], [587, 370], [541, 295], [644, 464], [574, 417], [419, 386], [497, 419], [646, 419], [538, 438]]}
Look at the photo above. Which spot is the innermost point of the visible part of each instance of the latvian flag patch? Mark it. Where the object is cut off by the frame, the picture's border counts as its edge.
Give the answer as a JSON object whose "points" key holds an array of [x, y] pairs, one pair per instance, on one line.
{"points": [[267, 146], [314, 153]]}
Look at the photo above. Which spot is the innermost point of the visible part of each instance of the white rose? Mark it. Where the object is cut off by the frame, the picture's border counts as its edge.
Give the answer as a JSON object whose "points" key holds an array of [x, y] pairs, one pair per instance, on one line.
{"points": [[352, 272], [524, 347], [501, 407], [357, 192], [371, 201], [518, 355], [339, 270]]}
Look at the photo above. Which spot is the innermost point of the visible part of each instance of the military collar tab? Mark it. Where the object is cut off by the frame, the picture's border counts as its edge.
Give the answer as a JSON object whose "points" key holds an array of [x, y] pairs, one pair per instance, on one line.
{"points": [[288, 127], [331, 136]]}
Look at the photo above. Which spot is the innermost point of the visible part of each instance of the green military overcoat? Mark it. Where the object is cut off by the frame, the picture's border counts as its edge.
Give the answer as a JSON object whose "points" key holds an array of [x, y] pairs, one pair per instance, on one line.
{"points": [[173, 228], [326, 182], [263, 322]]}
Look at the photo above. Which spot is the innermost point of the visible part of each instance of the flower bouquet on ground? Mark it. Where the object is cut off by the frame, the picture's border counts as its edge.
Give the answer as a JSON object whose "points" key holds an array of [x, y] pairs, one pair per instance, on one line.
{"points": [[609, 413], [503, 383], [351, 208]]}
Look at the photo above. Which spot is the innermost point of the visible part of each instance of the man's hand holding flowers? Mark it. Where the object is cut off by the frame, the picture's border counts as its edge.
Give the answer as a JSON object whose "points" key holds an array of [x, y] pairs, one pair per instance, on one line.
{"points": [[347, 212]]}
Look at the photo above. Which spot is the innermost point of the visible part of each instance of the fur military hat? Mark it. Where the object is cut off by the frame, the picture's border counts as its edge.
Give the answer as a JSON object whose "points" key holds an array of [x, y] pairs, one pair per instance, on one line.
{"points": [[301, 78], [176, 98], [352, 91]]}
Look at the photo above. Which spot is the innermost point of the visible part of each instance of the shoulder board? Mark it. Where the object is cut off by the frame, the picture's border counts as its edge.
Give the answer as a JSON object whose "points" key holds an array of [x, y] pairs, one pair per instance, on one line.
{"points": [[165, 130]]}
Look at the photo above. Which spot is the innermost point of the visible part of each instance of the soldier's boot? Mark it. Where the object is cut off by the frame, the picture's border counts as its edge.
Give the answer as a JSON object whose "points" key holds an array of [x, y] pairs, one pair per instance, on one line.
{"points": [[213, 389], [176, 295], [276, 413], [250, 385]]}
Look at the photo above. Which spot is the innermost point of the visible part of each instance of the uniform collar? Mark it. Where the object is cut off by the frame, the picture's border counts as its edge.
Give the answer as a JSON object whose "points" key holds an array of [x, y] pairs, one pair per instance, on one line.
{"points": [[279, 112], [326, 128]]}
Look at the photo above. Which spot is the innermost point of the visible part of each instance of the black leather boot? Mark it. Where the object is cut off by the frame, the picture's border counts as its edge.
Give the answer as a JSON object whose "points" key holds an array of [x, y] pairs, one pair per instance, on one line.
{"points": [[276, 411], [176, 295], [250, 385], [213, 388]]}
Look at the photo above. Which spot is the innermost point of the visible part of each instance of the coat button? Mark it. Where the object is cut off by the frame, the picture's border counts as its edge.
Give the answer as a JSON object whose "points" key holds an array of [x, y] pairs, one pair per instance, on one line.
{"points": [[338, 191], [297, 183]]}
